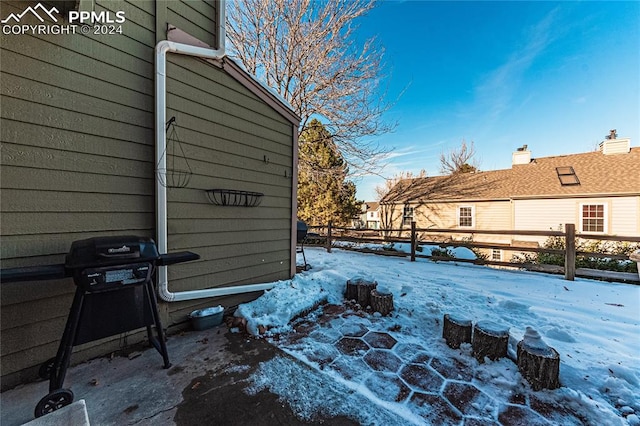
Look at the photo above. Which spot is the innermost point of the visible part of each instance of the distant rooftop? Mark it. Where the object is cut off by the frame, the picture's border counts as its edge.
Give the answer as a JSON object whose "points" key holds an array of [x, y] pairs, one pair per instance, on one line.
{"points": [[587, 174]]}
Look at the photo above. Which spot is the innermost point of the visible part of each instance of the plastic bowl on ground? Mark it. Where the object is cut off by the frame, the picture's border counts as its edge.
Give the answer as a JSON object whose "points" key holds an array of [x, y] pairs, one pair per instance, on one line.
{"points": [[202, 319]]}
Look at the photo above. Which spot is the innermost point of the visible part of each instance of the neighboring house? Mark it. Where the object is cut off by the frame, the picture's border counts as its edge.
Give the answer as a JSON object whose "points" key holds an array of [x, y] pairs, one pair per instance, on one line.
{"points": [[370, 217], [79, 158], [597, 191]]}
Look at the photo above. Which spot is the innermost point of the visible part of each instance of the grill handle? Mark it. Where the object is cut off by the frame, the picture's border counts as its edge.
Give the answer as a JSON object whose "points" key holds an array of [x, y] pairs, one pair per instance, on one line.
{"points": [[120, 255], [33, 273], [179, 257]]}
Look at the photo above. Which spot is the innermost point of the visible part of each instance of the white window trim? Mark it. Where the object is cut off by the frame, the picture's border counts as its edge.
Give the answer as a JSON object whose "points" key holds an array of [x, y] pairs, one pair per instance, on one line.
{"points": [[500, 255], [473, 217], [413, 212], [605, 219]]}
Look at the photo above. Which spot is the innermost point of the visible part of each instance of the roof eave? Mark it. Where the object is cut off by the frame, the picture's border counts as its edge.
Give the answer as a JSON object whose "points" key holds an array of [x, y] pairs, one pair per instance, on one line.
{"points": [[265, 93]]}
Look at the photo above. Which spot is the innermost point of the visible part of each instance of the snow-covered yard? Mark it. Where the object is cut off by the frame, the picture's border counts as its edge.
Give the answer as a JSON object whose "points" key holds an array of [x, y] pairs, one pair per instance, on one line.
{"points": [[595, 327]]}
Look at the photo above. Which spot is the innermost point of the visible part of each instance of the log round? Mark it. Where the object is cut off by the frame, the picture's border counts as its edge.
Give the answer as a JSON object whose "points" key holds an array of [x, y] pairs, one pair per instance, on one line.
{"points": [[456, 331], [541, 368], [382, 303], [352, 290], [364, 292], [489, 340]]}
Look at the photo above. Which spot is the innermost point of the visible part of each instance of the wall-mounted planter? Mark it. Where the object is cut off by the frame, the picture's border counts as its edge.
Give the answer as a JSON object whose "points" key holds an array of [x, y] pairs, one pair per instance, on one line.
{"points": [[232, 197], [174, 178]]}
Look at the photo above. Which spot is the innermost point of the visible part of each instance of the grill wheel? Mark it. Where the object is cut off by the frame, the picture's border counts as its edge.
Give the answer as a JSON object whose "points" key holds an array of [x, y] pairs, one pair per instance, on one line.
{"points": [[54, 401]]}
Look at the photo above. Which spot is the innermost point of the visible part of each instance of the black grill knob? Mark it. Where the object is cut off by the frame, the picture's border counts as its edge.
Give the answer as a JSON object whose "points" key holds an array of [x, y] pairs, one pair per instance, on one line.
{"points": [[141, 272]]}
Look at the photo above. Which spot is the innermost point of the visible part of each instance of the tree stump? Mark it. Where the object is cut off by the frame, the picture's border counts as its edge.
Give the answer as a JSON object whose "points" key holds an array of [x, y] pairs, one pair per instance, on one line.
{"points": [[489, 340], [381, 302], [456, 331], [537, 362], [352, 290], [364, 292]]}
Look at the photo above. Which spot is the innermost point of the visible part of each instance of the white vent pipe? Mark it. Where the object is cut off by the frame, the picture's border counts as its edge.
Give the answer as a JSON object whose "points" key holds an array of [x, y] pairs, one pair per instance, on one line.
{"points": [[162, 49]]}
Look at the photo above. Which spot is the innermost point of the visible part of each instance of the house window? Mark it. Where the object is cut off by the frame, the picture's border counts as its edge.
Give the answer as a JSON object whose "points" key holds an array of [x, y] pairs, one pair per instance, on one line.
{"points": [[407, 215], [465, 217], [496, 254], [593, 216]]}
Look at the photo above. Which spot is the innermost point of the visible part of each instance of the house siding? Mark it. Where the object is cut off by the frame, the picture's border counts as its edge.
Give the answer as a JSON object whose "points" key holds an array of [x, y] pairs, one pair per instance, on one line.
{"points": [[226, 133], [197, 17], [621, 214], [545, 214], [78, 159], [77, 162], [490, 215], [528, 215]]}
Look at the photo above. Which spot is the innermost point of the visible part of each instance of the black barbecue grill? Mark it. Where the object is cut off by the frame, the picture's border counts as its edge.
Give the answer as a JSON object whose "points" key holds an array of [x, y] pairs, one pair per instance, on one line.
{"points": [[114, 294]]}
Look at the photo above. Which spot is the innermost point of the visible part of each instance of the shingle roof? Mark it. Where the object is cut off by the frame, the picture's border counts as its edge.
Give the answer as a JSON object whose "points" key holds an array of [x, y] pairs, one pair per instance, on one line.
{"points": [[599, 174], [371, 205]]}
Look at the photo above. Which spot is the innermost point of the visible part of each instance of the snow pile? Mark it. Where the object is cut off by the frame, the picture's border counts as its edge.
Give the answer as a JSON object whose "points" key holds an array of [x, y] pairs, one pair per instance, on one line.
{"points": [[534, 343], [289, 299]]}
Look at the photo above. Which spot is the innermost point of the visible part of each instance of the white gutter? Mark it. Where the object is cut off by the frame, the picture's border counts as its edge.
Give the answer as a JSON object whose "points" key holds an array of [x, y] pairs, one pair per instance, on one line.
{"points": [[162, 48]]}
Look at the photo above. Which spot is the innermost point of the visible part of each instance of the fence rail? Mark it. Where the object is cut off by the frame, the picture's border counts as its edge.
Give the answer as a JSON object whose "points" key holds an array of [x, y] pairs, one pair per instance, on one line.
{"points": [[414, 236]]}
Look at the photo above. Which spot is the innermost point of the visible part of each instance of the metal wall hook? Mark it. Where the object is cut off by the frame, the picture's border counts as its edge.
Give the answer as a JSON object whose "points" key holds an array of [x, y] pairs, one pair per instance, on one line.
{"points": [[169, 123], [176, 174]]}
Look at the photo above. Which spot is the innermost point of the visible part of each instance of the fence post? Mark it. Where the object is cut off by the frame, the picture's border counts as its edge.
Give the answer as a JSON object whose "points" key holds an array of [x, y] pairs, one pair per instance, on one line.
{"points": [[570, 251], [413, 241], [329, 237]]}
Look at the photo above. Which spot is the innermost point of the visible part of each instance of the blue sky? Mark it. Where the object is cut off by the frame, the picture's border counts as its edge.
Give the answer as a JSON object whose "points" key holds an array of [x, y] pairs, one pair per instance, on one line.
{"points": [[556, 76]]}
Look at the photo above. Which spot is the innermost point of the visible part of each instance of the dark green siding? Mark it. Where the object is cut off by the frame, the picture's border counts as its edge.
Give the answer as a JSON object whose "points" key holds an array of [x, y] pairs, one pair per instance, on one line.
{"points": [[196, 17], [226, 133], [78, 160]]}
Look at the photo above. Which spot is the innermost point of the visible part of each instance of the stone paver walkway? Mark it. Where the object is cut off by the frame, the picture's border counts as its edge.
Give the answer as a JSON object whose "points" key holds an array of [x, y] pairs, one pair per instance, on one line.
{"points": [[442, 390]]}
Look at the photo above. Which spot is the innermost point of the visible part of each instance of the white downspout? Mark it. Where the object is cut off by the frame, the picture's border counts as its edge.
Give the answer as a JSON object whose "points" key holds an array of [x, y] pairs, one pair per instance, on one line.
{"points": [[162, 48]]}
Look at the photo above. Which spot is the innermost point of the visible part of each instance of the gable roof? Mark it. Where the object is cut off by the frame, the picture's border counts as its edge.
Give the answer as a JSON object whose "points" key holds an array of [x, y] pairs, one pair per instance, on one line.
{"points": [[371, 205], [598, 175]]}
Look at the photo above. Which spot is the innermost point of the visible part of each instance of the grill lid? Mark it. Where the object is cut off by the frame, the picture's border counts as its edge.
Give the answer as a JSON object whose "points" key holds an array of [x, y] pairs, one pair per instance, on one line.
{"points": [[115, 250]]}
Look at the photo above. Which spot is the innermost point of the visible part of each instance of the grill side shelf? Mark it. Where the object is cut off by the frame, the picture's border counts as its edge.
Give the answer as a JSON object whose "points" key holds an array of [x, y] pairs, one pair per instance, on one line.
{"points": [[178, 257], [34, 273]]}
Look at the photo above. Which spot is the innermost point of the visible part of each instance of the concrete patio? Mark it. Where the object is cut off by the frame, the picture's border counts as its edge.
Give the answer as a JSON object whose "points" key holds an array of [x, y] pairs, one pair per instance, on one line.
{"points": [[203, 386]]}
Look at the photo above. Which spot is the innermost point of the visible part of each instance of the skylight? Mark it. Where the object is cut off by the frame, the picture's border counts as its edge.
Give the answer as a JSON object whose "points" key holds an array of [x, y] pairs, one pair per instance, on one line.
{"points": [[567, 176]]}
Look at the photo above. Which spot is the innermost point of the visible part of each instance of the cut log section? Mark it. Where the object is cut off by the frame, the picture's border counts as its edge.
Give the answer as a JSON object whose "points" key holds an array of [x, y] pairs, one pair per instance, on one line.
{"points": [[381, 302], [352, 290], [364, 292], [456, 331], [537, 362], [489, 340]]}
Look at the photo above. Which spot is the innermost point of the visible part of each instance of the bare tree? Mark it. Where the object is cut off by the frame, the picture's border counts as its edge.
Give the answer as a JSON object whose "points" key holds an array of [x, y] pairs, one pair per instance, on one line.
{"points": [[383, 189], [389, 210], [428, 196], [459, 160], [305, 50]]}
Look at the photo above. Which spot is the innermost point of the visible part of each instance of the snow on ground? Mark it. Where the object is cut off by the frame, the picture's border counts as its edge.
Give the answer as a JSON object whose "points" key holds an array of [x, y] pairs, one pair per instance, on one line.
{"points": [[423, 249], [595, 326]]}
